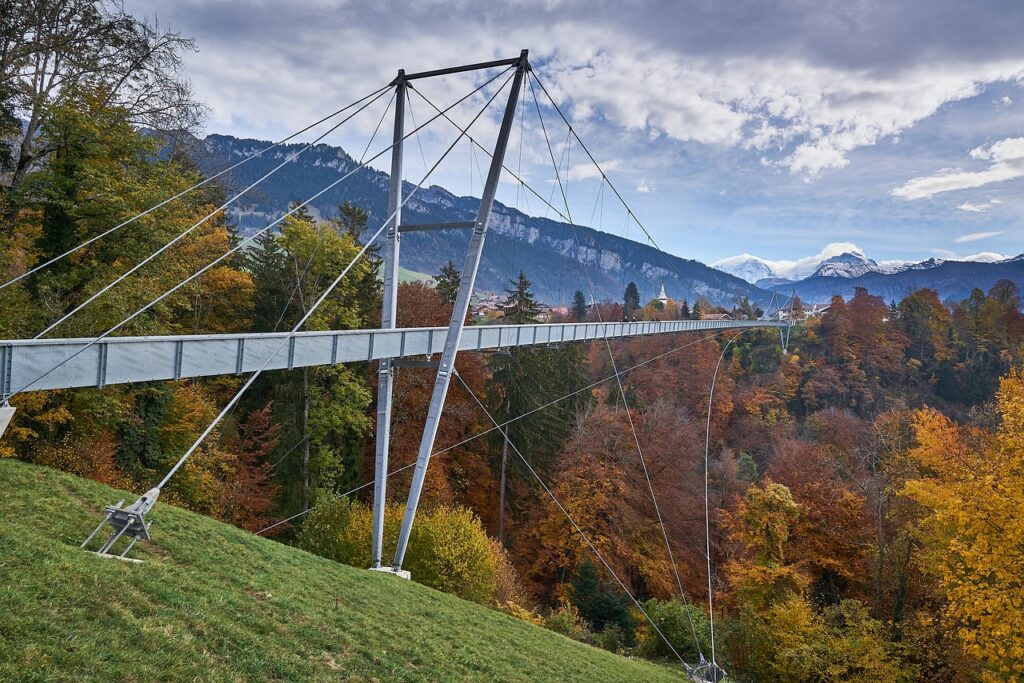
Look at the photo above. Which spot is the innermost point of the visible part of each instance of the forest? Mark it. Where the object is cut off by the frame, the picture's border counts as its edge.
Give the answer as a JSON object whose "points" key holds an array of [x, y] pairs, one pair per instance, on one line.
{"points": [[865, 487]]}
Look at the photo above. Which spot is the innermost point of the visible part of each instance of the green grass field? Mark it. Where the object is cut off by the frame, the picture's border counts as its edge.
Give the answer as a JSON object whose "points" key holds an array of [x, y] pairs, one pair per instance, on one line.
{"points": [[406, 275], [214, 603]]}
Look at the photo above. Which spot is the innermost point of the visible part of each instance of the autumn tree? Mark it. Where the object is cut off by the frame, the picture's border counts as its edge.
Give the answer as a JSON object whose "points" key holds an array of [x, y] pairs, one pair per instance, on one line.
{"points": [[778, 635], [522, 380], [248, 491], [461, 471], [61, 53], [973, 493], [829, 537]]}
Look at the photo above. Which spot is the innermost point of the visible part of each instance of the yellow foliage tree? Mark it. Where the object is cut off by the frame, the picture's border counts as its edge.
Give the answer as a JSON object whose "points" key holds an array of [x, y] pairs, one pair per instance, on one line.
{"points": [[973, 492], [448, 548]]}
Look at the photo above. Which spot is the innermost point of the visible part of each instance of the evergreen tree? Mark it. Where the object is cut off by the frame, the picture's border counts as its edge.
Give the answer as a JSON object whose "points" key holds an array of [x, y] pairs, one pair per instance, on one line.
{"points": [[447, 283], [746, 309], [630, 301], [697, 313], [521, 307], [579, 306], [684, 311], [324, 410], [524, 378], [600, 604], [266, 262]]}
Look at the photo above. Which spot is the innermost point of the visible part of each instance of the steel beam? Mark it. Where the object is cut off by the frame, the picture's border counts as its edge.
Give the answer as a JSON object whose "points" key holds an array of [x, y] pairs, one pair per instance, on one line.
{"points": [[455, 327], [462, 69], [419, 227], [389, 310]]}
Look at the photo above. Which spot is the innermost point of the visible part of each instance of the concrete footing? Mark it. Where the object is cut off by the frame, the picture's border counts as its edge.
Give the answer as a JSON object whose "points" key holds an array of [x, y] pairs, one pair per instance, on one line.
{"points": [[400, 573]]}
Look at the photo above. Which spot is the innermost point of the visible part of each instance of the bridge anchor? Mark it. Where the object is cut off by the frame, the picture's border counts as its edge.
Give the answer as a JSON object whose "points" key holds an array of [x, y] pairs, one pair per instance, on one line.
{"points": [[127, 521], [706, 672]]}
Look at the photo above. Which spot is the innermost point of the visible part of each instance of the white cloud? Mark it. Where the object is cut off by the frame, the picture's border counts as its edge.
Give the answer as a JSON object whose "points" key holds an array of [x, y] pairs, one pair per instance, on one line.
{"points": [[642, 186], [587, 170], [975, 236], [979, 208], [1005, 101], [983, 257], [814, 116], [266, 71], [1006, 162]]}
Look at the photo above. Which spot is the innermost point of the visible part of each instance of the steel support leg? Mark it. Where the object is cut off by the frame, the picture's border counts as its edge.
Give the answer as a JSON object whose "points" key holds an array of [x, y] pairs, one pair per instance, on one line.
{"points": [[131, 544], [113, 539], [97, 529], [389, 308], [454, 336]]}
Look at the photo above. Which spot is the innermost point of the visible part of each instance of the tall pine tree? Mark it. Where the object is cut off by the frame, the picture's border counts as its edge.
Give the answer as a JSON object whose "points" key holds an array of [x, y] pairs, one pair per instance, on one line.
{"points": [[579, 306], [446, 283], [522, 379], [630, 301]]}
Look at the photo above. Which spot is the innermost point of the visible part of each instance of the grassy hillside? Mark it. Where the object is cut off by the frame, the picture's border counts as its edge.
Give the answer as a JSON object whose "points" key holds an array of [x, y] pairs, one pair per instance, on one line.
{"points": [[213, 603], [406, 275]]}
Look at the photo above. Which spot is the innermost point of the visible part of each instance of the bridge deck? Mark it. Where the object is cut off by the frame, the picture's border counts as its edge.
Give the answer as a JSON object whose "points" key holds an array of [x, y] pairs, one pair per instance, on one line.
{"points": [[118, 360]]}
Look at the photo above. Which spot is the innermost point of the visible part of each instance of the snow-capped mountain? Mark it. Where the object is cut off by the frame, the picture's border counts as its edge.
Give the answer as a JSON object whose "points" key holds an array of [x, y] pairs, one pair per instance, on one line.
{"points": [[847, 264], [747, 267], [839, 259], [920, 265], [841, 267]]}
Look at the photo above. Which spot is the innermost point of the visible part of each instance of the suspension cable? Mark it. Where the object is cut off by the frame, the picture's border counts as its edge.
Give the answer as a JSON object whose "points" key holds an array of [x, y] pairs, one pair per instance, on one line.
{"points": [[596, 165], [181, 194], [510, 421], [547, 203], [707, 511], [121, 278], [572, 521], [320, 238], [320, 300], [248, 240], [618, 380], [630, 214]]}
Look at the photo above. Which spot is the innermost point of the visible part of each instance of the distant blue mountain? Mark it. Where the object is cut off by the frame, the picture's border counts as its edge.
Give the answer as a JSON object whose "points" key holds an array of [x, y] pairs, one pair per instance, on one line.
{"points": [[953, 280], [545, 250]]}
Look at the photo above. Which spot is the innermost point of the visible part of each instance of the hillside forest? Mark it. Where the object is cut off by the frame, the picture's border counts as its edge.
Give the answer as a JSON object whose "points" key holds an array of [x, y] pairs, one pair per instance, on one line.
{"points": [[865, 489]]}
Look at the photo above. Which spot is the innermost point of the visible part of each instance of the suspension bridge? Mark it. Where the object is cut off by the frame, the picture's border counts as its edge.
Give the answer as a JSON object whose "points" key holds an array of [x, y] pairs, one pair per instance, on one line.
{"points": [[40, 363]]}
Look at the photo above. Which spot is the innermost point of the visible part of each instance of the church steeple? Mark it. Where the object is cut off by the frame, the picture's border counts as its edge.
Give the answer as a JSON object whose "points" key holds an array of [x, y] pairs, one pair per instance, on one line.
{"points": [[662, 297]]}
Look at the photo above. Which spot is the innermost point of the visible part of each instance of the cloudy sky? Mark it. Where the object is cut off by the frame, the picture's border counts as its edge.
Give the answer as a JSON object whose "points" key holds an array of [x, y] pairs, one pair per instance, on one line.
{"points": [[772, 128]]}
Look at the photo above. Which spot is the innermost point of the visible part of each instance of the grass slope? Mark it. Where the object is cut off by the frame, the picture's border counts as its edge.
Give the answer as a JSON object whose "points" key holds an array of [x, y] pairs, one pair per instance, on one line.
{"points": [[406, 275], [213, 603]]}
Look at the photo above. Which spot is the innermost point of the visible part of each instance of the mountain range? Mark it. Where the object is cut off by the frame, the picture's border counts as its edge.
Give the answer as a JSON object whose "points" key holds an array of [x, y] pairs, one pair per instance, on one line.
{"points": [[817, 281], [560, 258]]}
